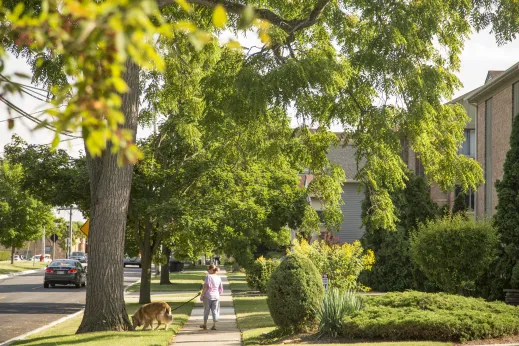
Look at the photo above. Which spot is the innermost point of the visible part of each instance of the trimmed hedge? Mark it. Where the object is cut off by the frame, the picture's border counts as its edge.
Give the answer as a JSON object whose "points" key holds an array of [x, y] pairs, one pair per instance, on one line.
{"points": [[295, 292], [454, 253], [431, 316]]}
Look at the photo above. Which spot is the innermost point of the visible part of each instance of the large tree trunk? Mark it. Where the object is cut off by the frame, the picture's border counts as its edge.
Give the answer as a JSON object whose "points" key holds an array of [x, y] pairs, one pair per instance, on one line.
{"points": [[164, 273], [110, 187], [146, 252]]}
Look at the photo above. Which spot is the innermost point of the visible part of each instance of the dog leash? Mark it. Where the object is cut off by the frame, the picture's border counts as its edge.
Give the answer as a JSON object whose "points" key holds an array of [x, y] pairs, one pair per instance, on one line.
{"points": [[178, 307]]}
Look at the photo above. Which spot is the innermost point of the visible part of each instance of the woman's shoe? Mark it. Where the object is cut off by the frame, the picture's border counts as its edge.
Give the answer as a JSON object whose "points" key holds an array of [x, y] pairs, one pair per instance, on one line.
{"points": [[203, 326], [213, 328]]}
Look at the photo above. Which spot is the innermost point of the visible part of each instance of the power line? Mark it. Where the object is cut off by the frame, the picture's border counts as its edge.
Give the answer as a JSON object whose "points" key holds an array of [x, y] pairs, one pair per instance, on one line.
{"points": [[18, 117], [33, 119], [21, 84], [29, 90]]}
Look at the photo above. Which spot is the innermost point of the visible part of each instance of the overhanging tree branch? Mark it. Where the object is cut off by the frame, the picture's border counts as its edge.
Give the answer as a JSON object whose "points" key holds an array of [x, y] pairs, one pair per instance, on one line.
{"points": [[289, 26]]}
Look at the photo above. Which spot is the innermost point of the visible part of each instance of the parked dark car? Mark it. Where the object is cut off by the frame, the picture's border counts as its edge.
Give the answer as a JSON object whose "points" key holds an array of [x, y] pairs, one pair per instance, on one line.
{"points": [[132, 261], [64, 272], [80, 256]]}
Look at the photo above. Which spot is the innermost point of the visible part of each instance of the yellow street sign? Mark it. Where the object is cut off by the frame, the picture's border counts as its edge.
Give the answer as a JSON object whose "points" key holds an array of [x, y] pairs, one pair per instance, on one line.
{"points": [[84, 228]]}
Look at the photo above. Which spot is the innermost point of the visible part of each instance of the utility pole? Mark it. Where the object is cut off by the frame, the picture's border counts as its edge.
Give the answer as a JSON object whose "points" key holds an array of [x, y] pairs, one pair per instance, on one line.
{"points": [[43, 244], [69, 244], [70, 233]]}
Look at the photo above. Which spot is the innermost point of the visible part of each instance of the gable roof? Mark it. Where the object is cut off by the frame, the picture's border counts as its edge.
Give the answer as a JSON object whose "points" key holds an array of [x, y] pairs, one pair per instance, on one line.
{"points": [[495, 82], [492, 74], [464, 96]]}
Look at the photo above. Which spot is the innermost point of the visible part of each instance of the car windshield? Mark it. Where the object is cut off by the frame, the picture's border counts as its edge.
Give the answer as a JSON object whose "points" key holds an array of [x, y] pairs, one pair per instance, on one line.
{"points": [[78, 254], [62, 263]]}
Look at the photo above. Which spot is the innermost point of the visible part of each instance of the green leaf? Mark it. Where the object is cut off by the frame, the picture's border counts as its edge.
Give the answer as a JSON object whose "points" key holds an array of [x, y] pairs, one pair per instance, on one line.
{"points": [[55, 141], [120, 85], [246, 17], [219, 16]]}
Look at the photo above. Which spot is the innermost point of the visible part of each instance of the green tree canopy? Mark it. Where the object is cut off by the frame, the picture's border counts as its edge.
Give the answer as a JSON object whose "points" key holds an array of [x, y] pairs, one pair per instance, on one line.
{"points": [[22, 217], [51, 176]]}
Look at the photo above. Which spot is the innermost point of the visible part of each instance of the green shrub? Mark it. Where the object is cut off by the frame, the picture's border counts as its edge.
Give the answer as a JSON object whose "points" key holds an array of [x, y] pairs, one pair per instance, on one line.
{"points": [[295, 292], [335, 307], [258, 274], [431, 316], [342, 262], [393, 269], [454, 253], [506, 220], [5, 255], [460, 207]]}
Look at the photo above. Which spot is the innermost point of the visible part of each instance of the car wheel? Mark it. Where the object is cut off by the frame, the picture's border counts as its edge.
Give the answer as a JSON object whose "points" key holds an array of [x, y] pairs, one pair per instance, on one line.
{"points": [[124, 265], [78, 284], [53, 285], [45, 284], [140, 265]]}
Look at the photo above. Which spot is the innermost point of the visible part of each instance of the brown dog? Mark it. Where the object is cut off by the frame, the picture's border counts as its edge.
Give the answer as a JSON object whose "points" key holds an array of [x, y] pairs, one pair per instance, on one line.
{"points": [[148, 313]]}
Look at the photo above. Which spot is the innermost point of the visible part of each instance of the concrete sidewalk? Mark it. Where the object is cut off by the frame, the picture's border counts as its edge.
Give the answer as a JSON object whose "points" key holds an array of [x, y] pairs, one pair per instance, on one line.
{"points": [[226, 333]]}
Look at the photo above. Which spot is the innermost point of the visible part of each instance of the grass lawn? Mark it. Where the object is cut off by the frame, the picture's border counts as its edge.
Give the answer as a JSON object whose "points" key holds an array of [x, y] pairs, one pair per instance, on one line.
{"points": [[186, 281], [19, 266], [254, 320], [237, 281], [63, 333], [252, 312]]}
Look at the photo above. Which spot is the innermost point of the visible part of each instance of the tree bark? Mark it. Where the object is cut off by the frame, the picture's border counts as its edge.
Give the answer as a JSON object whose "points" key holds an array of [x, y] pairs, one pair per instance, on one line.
{"points": [[146, 259], [12, 254], [110, 187], [164, 273]]}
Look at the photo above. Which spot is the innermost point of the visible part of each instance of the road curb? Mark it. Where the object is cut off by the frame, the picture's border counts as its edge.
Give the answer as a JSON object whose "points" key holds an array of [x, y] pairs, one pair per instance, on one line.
{"points": [[7, 276], [130, 285], [52, 324]]}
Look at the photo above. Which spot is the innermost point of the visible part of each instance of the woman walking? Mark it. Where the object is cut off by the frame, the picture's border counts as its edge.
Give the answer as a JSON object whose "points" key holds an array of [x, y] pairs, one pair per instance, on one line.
{"points": [[211, 295]]}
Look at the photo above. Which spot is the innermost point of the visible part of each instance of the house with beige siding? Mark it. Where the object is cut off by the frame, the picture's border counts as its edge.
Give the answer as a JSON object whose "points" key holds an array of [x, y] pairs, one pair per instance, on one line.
{"points": [[351, 228]]}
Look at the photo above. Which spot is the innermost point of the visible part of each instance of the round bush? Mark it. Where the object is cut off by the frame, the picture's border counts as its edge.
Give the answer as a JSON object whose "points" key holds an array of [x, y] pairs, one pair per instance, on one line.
{"points": [[295, 292], [454, 253]]}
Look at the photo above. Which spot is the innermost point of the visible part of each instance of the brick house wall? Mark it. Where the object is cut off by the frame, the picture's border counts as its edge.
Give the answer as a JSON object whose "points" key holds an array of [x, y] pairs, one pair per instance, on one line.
{"points": [[501, 95], [480, 156]]}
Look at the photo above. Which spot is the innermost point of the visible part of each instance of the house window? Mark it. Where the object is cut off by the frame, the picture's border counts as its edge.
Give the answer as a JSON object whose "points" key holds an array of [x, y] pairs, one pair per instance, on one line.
{"points": [[469, 197], [468, 146], [419, 170], [488, 156], [515, 99], [321, 215]]}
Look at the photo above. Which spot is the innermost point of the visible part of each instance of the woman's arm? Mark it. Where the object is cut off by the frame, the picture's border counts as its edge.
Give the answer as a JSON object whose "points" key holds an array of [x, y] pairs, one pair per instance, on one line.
{"points": [[206, 287]]}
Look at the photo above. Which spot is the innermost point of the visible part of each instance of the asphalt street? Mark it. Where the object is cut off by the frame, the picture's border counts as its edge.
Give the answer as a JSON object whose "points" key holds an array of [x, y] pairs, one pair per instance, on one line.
{"points": [[25, 305]]}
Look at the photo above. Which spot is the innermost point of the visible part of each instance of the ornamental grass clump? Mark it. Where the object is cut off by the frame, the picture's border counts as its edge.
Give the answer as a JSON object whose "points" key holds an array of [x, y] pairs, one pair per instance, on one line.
{"points": [[335, 307]]}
